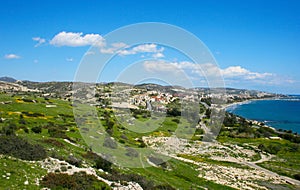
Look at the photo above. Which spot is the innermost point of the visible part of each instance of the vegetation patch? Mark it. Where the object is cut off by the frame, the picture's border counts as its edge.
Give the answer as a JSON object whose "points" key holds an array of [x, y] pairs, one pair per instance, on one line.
{"points": [[20, 148], [79, 180]]}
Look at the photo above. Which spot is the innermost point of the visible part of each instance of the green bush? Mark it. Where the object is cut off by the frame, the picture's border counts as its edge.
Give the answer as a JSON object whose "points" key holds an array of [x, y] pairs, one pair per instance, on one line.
{"points": [[53, 142], [297, 176], [57, 133], [199, 131], [9, 130], [155, 160], [141, 180], [20, 148], [74, 161], [131, 152], [36, 129], [77, 181], [176, 120], [100, 163], [272, 148], [174, 108], [110, 143], [164, 187]]}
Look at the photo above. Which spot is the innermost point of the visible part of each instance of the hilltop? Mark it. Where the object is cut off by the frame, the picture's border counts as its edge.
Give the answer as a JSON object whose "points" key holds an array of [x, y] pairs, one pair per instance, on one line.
{"points": [[7, 79]]}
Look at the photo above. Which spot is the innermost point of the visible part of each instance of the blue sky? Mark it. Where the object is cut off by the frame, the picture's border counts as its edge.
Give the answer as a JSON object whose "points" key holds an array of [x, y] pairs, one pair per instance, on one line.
{"points": [[256, 43]]}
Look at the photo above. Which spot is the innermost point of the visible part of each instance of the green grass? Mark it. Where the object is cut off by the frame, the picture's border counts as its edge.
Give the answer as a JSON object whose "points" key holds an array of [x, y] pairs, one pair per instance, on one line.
{"points": [[20, 171], [287, 160], [286, 163], [181, 175]]}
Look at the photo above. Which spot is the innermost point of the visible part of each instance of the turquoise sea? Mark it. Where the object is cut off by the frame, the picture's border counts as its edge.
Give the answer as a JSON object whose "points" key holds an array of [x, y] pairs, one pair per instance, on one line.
{"points": [[279, 113]]}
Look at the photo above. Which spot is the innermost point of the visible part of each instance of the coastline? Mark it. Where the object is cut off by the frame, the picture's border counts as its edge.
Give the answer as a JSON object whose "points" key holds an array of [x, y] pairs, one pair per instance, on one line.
{"points": [[265, 122], [226, 106], [247, 102]]}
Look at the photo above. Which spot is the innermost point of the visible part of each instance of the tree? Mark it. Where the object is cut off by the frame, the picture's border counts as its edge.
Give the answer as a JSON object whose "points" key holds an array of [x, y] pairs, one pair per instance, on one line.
{"points": [[174, 108]]}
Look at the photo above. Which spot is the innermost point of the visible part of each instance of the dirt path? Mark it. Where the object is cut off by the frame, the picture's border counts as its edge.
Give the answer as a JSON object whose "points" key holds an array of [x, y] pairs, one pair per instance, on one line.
{"points": [[288, 179], [264, 158]]}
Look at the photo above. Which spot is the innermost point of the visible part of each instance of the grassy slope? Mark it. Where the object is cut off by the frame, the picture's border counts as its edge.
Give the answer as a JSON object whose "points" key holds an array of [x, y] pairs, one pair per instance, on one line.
{"points": [[287, 160], [181, 176]]}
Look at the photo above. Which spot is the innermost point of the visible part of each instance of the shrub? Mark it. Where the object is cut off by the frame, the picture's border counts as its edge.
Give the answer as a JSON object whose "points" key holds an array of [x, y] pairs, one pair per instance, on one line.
{"points": [[142, 144], [36, 129], [164, 187], [26, 130], [103, 164], [141, 180], [9, 130], [272, 148], [199, 131], [290, 137], [176, 120], [79, 180], [22, 121], [63, 168], [100, 163], [90, 155], [74, 161], [20, 148], [110, 124], [124, 137], [53, 142], [174, 108], [110, 143], [57, 133], [297, 176], [156, 161], [131, 152]]}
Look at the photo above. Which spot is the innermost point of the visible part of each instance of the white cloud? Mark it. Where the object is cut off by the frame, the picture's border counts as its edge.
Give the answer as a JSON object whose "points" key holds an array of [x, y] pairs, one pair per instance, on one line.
{"points": [[230, 74], [122, 49], [234, 71], [205, 73], [160, 66], [39, 41], [158, 55], [77, 39], [119, 45], [143, 48], [238, 71], [89, 53], [12, 56], [70, 59], [114, 47]]}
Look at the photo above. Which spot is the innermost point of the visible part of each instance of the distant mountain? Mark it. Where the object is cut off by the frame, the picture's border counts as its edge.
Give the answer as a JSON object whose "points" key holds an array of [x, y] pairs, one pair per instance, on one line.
{"points": [[7, 79]]}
